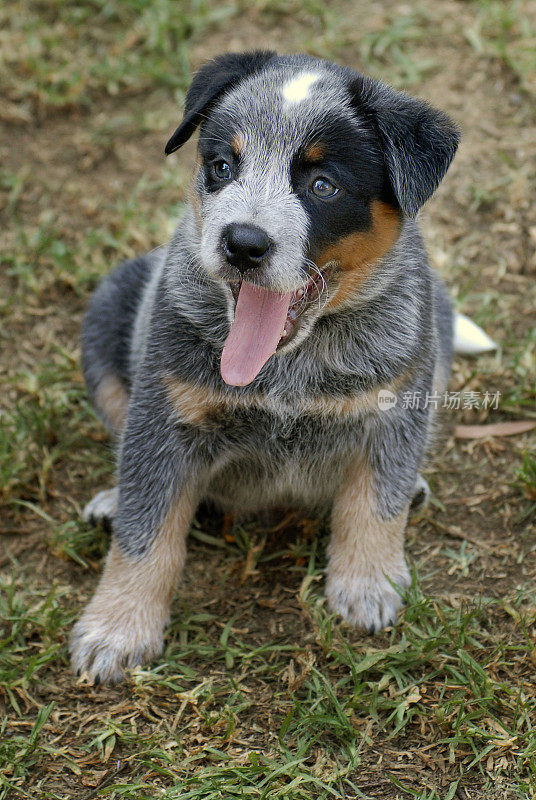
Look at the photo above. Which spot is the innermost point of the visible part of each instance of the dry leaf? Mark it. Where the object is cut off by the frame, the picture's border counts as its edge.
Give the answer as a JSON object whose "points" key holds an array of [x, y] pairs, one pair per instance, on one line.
{"points": [[498, 429]]}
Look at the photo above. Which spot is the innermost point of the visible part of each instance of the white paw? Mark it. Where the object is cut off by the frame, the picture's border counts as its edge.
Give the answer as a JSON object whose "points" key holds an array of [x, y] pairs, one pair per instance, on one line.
{"points": [[102, 508], [421, 495], [368, 602], [103, 645]]}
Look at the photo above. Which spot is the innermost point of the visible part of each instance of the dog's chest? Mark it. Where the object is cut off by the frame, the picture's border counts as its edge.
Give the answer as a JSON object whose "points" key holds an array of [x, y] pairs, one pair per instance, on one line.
{"points": [[276, 461]]}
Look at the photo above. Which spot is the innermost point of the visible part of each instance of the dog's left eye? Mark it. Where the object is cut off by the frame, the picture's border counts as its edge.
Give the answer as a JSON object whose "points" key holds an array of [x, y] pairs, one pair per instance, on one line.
{"points": [[323, 188], [222, 170]]}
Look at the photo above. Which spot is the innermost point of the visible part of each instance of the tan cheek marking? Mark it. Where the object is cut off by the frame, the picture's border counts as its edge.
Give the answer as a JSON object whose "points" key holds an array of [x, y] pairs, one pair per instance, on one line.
{"points": [[358, 252], [112, 398]]}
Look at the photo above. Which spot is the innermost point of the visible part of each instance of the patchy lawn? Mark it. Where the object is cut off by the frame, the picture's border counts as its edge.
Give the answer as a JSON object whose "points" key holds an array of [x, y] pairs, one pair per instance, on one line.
{"points": [[260, 693]]}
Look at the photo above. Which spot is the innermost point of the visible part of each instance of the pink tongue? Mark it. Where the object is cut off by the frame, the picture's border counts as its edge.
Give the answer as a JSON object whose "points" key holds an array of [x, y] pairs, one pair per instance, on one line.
{"points": [[255, 333]]}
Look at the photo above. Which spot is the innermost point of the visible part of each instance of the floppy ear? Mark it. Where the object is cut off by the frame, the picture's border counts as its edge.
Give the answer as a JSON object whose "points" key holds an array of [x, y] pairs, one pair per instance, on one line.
{"points": [[418, 141], [214, 78]]}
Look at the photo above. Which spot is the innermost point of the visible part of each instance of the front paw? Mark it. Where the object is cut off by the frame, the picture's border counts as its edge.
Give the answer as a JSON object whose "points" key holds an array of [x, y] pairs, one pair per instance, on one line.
{"points": [[104, 643], [369, 602]]}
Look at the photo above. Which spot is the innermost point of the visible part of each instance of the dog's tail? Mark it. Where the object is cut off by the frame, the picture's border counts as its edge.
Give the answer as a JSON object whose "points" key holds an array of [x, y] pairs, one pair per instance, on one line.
{"points": [[469, 339]]}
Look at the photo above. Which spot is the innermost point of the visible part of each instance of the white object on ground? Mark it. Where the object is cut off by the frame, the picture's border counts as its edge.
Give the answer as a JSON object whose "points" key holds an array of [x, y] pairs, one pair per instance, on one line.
{"points": [[469, 339]]}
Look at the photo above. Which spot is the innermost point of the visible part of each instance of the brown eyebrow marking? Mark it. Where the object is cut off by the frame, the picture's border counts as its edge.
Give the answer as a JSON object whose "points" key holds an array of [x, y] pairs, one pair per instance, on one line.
{"points": [[237, 143], [315, 152]]}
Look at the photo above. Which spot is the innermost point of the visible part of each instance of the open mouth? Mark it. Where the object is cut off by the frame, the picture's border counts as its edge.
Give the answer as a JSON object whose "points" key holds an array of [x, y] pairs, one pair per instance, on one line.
{"points": [[313, 292], [264, 320]]}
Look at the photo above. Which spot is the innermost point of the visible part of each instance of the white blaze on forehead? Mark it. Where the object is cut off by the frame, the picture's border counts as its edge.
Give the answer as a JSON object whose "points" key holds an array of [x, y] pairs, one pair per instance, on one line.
{"points": [[297, 89]]}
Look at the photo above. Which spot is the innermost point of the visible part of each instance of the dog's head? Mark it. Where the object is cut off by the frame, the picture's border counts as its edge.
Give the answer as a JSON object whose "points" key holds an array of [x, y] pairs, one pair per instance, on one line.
{"points": [[307, 170]]}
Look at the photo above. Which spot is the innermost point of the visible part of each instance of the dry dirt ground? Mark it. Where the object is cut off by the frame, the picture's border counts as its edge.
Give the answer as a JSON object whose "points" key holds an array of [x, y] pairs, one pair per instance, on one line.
{"points": [[256, 677]]}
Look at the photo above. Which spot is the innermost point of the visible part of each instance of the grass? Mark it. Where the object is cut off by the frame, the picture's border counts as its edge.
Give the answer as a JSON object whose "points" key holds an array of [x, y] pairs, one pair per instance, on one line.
{"points": [[260, 692], [442, 675], [389, 51], [60, 55], [53, 255], [507, 31]]}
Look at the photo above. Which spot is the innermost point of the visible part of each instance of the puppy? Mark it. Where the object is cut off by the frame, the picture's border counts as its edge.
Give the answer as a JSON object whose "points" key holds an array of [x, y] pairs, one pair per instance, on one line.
{"points": [[244, 362]]}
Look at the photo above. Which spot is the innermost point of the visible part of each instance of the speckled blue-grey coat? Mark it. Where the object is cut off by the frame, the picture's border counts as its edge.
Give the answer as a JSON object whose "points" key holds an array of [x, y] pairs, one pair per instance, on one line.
{"points": [[252, 360]]}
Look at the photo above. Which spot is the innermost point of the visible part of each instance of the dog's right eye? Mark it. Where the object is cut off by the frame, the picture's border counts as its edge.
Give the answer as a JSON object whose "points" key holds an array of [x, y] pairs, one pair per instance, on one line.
{"points": [[222, 170]]}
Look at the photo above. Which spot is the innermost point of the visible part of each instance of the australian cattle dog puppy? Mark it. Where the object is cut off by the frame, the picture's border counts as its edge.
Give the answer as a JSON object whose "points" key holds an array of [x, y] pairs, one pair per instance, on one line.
{"points": [[244, 362]]}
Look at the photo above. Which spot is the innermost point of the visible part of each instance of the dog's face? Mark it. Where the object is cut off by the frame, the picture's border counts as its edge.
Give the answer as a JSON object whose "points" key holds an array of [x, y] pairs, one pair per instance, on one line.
{"points": [[306, 170]]}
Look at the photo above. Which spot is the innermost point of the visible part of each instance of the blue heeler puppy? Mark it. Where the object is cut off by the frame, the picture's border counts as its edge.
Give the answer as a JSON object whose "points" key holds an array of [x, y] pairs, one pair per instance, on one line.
{"points": [[243, 362]]}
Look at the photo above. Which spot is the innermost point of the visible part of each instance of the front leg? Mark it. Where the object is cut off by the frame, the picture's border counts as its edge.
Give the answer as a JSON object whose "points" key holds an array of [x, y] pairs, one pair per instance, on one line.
{"points": [[123, 625], [367, 571], [365, 555]]}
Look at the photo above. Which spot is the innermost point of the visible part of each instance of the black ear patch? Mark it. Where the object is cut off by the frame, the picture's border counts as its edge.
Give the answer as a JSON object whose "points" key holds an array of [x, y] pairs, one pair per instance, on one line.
{"points": [[418, 141], [209, 83]]}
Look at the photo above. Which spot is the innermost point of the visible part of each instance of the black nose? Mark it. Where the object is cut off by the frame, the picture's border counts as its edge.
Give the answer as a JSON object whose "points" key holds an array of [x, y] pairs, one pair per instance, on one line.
{"points": [[245, 246]]}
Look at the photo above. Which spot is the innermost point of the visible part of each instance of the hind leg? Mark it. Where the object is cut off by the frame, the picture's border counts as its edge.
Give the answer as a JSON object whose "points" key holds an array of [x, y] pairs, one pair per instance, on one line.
{"points": [[111, 399], [421, 495]]}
